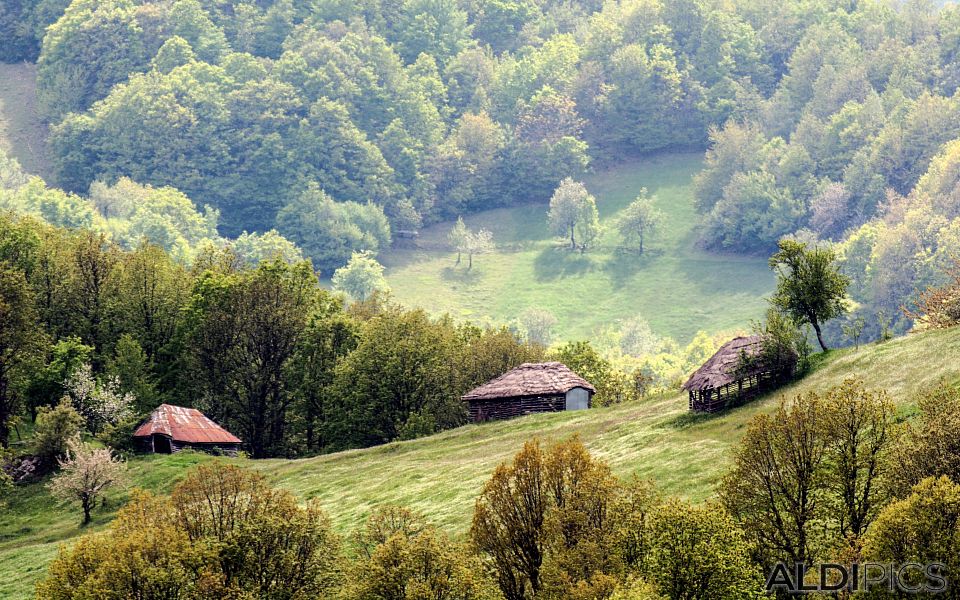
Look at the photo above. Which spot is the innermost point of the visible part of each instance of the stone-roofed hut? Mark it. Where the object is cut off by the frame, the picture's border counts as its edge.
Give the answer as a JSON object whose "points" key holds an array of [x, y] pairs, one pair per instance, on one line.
{"points": [[173, 428], [529, 388], [735, 374]]}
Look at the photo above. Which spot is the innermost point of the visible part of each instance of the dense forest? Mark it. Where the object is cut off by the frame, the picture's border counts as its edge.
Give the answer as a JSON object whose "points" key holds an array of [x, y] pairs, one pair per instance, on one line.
{"points": [[340, 124]]}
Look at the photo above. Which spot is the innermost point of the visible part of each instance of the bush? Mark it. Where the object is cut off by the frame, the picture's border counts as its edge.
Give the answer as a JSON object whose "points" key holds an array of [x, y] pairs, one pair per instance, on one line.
{"points": [[54, 429]]}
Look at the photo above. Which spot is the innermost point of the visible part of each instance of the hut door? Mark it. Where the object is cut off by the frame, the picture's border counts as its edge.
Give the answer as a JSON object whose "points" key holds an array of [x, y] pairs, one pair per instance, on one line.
{"points": [[161, 444], [578, 399]]}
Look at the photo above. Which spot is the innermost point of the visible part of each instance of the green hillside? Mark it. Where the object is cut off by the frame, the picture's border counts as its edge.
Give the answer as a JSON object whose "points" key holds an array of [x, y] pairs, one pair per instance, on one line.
{"points": [[677, 287], [442, 474]]}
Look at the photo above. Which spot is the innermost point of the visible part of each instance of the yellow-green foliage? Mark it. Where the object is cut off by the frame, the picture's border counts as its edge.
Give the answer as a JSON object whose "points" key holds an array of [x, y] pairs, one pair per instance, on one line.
{"points": [[223, 533], [922, 527]]}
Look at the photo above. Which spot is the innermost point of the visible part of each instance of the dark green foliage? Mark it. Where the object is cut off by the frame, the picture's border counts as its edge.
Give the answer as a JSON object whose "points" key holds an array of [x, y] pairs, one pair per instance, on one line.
{"points": [[134, 372], [94, 46], [261, 348], [330, 232], [46, 385], [329, 336], [21, 342], [784, 347], [240, 331], [19, 42], [403, 369]]}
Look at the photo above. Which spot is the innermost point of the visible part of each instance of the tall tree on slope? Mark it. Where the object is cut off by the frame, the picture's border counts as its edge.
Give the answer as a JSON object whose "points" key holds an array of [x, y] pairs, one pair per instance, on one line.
{"points": [[810, 287]]}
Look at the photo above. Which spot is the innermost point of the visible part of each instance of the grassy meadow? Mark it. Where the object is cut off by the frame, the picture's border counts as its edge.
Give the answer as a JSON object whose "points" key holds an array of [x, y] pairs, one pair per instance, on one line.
{"points": [[678, 288], [441, 475]]}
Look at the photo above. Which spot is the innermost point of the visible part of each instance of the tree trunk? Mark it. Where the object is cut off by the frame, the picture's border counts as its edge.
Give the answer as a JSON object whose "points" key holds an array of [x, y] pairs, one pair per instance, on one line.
{"points": [[469, 261], [458, 259], [6, 413], [573, 242], [641, 242], [87, 505], [816, 327]]}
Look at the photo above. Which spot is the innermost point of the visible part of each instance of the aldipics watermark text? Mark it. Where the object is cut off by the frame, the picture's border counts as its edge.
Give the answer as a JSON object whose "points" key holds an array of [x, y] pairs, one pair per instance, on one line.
{"points": [[910, 578]]}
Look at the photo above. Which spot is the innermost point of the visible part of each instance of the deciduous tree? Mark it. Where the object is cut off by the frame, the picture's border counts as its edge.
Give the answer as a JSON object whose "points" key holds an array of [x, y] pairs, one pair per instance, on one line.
{"points": [[478, 242], [360, 277], [85, 474], [239, 335], [810, 286], [573, 212], [21, 340], [698, 553], [54, 430], [775, 488], [639, 220], [860, 434]]}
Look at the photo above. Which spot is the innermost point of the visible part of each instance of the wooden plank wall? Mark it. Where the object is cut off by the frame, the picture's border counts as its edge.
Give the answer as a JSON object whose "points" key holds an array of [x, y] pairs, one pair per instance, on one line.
{"points": [[507, 408]]}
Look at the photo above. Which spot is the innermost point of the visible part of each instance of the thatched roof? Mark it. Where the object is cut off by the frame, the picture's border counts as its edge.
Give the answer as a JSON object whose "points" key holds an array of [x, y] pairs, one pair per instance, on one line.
{"points": [[720, 369], [530, 379], [185, 425]]}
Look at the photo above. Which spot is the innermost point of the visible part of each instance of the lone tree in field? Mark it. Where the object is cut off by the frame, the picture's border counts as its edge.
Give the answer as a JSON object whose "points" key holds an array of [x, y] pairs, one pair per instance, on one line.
{"points": [[463, 240], [810, 287], [573, 212], [361, 277], [458, 237], [639, 221], [85, 474]]}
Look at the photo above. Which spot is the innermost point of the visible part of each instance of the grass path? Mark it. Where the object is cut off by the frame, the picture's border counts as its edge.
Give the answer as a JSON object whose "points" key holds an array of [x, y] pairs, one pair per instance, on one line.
{"points": [[678, 288], [442, 474], [22, 132]]}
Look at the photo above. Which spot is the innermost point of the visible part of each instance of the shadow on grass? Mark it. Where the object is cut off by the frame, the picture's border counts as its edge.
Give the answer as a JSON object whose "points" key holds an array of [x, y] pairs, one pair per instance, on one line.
{"points": [[624, 264], [692, 419], [460, 275], [554, 263]]}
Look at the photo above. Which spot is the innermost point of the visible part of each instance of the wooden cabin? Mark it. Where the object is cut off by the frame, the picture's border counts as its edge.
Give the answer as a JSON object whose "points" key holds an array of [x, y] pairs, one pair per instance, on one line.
{"points": [[734, 375], [173, 428], [527, 389]]}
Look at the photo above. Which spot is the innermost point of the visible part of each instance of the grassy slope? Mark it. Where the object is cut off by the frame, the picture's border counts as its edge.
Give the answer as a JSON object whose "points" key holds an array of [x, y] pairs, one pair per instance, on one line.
{"points": [[441, 475], [22, 132], [676, 287]]}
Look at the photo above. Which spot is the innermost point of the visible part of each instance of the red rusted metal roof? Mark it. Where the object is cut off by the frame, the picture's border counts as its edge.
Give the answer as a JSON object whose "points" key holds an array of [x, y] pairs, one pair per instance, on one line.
{"points": [[185, 425]]}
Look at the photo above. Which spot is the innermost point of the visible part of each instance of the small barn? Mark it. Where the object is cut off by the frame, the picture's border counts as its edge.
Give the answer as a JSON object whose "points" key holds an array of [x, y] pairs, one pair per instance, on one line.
{"points": [[529, 388], [734, 375], [173, 428]]}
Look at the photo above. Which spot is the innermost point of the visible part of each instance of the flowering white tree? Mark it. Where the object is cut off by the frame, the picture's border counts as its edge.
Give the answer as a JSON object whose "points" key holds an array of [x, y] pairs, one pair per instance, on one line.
{"points": [[85, 473], [100, 403]]}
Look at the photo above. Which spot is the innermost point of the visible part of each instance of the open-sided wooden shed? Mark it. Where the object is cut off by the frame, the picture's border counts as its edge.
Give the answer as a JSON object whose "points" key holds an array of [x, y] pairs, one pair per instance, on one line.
{"points": [[734, 374], [173, 428], [529, 388]]}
